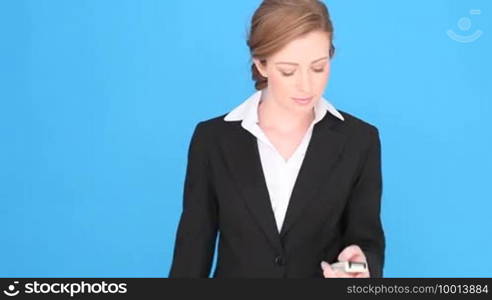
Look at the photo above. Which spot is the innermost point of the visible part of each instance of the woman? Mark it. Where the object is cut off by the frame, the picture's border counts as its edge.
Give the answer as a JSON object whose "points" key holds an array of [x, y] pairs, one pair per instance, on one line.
{"points": [[290, 184]]}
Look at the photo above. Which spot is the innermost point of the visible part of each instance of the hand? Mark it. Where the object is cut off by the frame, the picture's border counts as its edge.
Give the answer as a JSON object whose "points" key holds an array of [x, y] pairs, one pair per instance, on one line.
{"points": [[350, 253]]}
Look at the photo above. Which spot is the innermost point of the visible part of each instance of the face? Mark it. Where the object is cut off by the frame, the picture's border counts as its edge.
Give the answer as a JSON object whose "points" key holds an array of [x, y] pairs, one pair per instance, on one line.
{"points": [[298, 73]]}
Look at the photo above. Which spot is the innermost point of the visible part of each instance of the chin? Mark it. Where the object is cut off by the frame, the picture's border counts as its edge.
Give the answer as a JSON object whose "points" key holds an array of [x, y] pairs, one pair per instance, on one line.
{"points": [[301, 110]]}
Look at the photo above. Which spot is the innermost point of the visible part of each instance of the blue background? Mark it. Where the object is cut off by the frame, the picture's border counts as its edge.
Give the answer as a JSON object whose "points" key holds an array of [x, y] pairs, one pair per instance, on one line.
{"points": [[98, 101]]}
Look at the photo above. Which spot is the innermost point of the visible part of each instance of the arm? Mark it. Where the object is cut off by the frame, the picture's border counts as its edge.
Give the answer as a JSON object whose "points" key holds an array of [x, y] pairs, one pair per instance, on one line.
{"points": [[197, 229], [362, 213]]}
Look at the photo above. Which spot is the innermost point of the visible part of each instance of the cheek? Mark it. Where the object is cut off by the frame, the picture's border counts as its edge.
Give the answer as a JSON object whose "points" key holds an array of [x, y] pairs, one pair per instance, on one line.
{"points": [[281, 87], [279, 84], [322, 80], [277, 80], [327, 75]]}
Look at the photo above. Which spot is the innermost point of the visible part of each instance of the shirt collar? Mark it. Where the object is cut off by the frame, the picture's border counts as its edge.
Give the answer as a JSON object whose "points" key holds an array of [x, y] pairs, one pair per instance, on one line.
{"points": [[248, 110]]}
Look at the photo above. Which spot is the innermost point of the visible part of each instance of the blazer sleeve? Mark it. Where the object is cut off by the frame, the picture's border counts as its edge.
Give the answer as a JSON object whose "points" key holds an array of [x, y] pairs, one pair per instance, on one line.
{"points": [[197, 228], [362, 214]]}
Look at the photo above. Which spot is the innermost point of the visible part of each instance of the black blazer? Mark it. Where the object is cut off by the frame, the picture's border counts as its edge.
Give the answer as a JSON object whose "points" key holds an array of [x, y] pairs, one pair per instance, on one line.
{"points": [[335, 203]]}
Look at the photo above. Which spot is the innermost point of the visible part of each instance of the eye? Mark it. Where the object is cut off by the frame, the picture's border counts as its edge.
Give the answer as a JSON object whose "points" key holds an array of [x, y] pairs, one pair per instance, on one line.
{"points": [[286, 74]]}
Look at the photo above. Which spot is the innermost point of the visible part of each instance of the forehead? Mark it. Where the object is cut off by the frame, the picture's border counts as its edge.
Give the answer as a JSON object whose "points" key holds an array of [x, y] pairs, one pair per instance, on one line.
{"points": [[304, 49]]}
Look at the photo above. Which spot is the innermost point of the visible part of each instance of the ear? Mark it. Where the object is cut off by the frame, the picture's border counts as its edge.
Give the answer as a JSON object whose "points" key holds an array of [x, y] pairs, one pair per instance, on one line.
{"points": [[261, 67]]}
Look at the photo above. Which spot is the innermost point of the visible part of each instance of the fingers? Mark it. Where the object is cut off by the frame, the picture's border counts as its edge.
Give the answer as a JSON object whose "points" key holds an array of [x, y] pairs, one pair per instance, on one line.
{"points": [[341, 274], [362, 275], [327, 270], [352, 253]]}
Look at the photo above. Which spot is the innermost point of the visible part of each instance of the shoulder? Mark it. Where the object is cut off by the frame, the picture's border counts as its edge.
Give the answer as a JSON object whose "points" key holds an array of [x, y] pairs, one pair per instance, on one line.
{"points": [[214, 125], [356, 126], [209, 130], [358, 132]]}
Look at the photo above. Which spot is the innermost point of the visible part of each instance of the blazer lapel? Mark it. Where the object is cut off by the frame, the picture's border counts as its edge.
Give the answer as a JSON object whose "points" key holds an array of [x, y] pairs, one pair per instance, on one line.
{"points": [[323, 151], [243, 159]]}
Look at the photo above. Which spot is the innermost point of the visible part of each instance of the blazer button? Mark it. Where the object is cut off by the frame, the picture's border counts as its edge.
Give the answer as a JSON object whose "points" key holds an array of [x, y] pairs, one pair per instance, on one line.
{"points": [[279, 261]]}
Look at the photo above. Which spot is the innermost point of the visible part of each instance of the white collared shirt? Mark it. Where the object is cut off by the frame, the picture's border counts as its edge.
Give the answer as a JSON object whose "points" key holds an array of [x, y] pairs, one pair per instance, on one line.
{"points": [[280, 174]]}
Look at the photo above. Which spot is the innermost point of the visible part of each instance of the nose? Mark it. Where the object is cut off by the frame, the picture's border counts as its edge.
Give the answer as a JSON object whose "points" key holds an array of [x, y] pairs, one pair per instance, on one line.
{"points": [[304, 82]]}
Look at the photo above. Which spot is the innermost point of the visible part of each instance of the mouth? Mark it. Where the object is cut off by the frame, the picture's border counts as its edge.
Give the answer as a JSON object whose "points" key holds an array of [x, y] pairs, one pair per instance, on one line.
{"points": [[302, 101]]}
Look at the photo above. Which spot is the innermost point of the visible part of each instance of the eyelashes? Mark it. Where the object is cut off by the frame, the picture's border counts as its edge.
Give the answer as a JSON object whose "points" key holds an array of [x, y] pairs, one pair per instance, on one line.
{"points": [[292, 73]]}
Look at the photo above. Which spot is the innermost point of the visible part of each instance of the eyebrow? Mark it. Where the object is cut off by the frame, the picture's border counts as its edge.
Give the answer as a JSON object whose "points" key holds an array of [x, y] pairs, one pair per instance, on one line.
{"points": [[295, 64]]}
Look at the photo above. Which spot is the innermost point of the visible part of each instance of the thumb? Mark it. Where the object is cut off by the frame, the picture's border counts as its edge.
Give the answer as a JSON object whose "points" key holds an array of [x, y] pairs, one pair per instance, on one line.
{"points": [[350, 252], [327, 270]]}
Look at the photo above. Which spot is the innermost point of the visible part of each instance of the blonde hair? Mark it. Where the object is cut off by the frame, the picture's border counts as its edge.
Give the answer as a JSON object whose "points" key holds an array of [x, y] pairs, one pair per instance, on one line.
{"points": [[277, 22]]}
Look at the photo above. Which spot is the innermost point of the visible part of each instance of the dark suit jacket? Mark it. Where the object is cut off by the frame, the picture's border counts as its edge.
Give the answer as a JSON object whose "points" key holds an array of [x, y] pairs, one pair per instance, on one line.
{"points": [[335, 203]]}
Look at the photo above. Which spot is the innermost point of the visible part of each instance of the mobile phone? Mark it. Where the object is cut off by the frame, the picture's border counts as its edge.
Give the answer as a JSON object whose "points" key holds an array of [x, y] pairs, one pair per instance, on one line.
{"points": [[350, 266]]}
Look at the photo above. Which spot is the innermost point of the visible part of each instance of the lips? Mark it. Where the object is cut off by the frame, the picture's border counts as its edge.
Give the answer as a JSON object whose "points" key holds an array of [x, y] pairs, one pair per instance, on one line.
{"points": [[302, 100]]}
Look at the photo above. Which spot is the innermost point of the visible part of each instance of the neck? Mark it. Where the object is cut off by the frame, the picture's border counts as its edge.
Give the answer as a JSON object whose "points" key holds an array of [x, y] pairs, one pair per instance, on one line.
{"points": [[272, 115]]}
